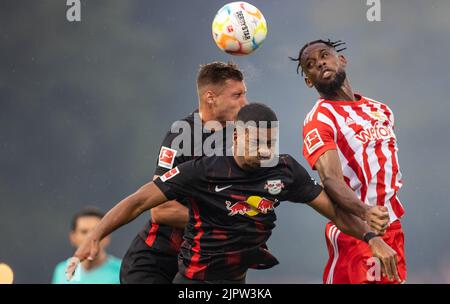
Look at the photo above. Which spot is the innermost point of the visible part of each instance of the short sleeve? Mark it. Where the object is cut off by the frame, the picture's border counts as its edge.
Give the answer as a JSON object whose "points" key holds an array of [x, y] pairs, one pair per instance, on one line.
{"points": [[318, 138], [168, 158], [59, 274], [179, 182], [303, 187]]}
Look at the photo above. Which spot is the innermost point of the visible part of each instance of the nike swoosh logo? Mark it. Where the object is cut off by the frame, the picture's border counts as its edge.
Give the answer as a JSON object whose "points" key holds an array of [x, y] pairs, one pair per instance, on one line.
{"points": [[223, 188]]}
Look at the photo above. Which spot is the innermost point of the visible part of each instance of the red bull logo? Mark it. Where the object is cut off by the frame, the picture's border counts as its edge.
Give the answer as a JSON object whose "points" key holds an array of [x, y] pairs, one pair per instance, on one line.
{"points": [[251, 207], [238, 208], [265, 205]]}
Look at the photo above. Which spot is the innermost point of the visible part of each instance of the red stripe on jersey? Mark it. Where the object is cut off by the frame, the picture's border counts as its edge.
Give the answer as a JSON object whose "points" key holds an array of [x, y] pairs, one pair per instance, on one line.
{"points": [[347, 180], [176, 238], [219, 234], [364, 116], [152, 235], [359, 112], [261, 230], [396, 205], [346, 150], [381, 174], [196, 269]]}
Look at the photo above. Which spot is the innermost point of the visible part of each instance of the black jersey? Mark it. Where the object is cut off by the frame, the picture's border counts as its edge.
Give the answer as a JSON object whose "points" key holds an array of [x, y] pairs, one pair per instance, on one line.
{"points": [[232, 212], [162, 237]]}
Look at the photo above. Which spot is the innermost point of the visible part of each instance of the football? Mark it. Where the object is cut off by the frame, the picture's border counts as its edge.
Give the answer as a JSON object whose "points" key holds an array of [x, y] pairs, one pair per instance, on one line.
{"points": [[239, 28]]}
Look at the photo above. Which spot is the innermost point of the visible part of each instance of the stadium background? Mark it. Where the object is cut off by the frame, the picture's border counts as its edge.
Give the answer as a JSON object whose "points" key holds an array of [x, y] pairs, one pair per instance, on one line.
{"points": [[84, 106]]}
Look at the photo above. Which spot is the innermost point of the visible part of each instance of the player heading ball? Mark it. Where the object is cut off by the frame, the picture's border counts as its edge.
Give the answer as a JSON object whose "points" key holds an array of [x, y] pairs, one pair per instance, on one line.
{"points": [[232, 201]]}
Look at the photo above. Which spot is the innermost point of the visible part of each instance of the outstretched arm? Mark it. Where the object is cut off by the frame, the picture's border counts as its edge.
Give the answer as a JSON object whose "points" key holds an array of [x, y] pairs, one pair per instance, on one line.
{"points": [[171, 213], [354, 226], [145, 198], [330, 172]]}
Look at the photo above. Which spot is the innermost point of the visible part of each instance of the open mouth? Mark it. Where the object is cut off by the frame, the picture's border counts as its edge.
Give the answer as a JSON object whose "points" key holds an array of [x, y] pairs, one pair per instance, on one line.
{"points": [[327, 73]]}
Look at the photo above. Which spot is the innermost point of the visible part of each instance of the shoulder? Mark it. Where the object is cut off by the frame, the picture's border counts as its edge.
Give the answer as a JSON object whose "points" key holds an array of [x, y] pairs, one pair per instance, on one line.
{"points": [[289, 163], [312, 115], [114, 262], [59, 273], [180, 125], [193, 166], [383, 107], [377, 103], [208, 163], [320, 118], [61, 265]]}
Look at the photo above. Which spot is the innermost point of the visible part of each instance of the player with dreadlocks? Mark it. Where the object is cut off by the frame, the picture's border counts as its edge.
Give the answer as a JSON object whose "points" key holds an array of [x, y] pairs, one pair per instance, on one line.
{"points": [[349, 139]]}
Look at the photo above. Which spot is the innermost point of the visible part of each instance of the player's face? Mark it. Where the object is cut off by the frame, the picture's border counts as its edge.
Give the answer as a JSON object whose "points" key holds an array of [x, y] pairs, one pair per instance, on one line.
{"points": [[85, 225], [323, 68], [228, 100], [258, 146]]}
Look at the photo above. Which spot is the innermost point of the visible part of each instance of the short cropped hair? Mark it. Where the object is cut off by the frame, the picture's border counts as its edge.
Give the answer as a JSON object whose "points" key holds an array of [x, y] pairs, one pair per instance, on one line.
{"points": [[216, 73], [88, 211], [257, 112]]}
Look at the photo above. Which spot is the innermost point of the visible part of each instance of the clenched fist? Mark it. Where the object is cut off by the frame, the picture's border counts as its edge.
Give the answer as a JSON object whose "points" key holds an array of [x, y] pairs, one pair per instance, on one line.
{"points": [[377, 218]]}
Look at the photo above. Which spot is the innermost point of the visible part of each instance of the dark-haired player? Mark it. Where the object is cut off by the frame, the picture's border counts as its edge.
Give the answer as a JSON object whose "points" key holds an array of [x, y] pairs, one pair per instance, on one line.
{"points": [[153, 254], [231, 205], [104, 269], [349, 139]]}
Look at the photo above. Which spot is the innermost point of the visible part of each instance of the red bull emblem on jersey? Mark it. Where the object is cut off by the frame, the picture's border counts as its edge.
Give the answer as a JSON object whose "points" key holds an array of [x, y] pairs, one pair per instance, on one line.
{"points": [[274, 186], [251, 207]]}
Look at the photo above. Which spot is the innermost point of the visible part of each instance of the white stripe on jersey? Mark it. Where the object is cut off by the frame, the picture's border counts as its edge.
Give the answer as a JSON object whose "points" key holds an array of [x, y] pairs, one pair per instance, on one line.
{"points": [[371, 145], [380, 106], [311, 113], [348, 132], [324, 119], [355, 183], [333, 234], [388, 167], [371, 160]]}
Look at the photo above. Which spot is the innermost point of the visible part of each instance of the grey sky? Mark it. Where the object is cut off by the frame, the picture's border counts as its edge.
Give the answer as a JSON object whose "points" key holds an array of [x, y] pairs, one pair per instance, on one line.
{"points": [[84, 106]]}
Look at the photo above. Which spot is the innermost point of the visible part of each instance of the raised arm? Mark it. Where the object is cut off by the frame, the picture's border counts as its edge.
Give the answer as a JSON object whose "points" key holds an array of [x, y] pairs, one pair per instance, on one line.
{"points": [[330, 171], [145, 198]]}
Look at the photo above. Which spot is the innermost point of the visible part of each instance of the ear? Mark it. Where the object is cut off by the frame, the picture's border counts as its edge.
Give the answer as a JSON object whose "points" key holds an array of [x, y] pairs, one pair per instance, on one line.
{"points": [[72, 238], [308, 82], [210, 97], [343, 60]]}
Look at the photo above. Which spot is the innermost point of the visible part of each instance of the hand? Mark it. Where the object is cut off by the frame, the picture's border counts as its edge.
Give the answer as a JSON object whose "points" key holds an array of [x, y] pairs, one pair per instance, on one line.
{"points": [[387, 257], [377, 218], [88, 250]]}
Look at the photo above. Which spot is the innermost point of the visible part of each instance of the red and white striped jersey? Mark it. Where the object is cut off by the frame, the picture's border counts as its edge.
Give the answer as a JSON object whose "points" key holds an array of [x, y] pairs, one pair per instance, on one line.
{"points": [[362, 132]]}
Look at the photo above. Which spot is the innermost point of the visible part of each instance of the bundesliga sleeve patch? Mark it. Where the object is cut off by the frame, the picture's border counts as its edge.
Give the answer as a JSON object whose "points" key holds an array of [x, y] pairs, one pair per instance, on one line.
{"points": [[313, 141], [166, 157], [169, 174]]}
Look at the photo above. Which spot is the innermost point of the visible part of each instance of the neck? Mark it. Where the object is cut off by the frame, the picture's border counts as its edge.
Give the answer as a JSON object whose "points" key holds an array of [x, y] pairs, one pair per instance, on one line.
{"points": [[239, 161], [207, 115], [98, 261], [344, 93]]}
